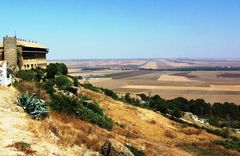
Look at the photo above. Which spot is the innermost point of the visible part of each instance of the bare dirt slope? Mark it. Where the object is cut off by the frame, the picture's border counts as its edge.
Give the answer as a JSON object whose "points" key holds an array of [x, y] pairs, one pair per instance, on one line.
{"points": [[14, 127]]}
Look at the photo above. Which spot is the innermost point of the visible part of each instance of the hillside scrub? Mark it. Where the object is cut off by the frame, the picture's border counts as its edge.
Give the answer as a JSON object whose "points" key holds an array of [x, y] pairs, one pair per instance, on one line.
{"points": [[26, 75], [42, 86], [176, 108], [36, 108], [23, 147], [48, 86], [63, 82], [91, 87], [33, 88], [76, 83], [233, 143], [35, 74], [75, 106], [219, 114], [135, 151], [90, 104], [54, 69]]}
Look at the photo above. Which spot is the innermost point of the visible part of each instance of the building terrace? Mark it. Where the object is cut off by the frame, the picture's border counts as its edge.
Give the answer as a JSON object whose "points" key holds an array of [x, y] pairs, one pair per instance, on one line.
{"points": [[24, 54]]}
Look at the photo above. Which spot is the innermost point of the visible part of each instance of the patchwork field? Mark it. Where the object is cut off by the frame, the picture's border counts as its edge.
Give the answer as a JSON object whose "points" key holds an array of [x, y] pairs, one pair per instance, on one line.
{"points": [[130, 75], [209, 85]]}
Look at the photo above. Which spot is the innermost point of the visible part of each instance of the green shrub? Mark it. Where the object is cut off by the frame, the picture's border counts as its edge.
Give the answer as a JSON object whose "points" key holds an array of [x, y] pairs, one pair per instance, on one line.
{"points": [[91, 87], [74, 106], [63, 103], [39, 73], [135, 151], [63, 82], [75, 80], [110, 93], [26, 75], [177, 113], [48, 86], [233, 143], [63, 68], [54, 69], [223, 133], [36, 108], [92, 105], [88, 115]]}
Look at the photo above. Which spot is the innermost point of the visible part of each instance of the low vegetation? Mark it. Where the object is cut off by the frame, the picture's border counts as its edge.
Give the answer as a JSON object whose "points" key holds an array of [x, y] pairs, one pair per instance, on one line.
{"points": [[231, 143], [33, 88], [53, 85], [63, 82], [54, 69], [36, 108], [23, 147], [135, 151], [219, 114], [89, 112]]}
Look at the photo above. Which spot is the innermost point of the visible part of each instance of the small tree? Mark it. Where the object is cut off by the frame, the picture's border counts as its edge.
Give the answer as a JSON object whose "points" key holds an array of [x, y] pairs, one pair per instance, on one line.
{"points": [[52, 70], [177, 113], [63, 68], [48, 86], [26, 75], [63, 82]]}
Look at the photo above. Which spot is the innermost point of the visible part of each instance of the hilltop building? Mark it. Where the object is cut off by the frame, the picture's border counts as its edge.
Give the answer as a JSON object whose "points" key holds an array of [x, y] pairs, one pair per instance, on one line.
{"points": [[22, 53]]}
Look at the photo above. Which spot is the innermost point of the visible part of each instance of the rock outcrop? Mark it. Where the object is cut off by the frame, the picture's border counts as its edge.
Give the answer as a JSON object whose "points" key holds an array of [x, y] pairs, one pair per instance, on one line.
{"points": [[115, 148]]}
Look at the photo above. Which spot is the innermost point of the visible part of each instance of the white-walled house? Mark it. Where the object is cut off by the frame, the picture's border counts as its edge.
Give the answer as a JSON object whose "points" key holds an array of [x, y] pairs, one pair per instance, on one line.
{"points": [[5, 79]]}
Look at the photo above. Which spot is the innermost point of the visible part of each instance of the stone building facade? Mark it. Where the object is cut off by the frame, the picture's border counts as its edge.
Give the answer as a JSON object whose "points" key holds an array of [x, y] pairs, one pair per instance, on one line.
{"points": [[22, 53]]}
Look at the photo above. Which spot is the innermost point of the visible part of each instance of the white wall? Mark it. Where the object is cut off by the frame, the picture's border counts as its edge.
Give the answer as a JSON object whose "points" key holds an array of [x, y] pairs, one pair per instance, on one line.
{"points": [[4, 80]]}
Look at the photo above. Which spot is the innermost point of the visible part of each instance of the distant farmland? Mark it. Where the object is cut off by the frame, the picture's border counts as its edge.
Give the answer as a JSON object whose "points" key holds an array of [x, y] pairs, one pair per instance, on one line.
{"points": [[125, 76], [207, 85]]}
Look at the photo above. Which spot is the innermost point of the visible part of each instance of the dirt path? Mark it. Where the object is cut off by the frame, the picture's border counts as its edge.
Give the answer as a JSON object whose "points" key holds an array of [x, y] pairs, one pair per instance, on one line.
{"points": [[11, 123]]}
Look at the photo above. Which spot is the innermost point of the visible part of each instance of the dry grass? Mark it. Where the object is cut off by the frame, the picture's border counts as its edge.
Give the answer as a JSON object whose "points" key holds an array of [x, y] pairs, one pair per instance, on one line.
{"points": [[174, 78], [208, 146], [23, 147], [191, 131], [188, 88], [69, 131], [152, 121], [31, 87], [150, 65], [159, 135], [170, 134]]}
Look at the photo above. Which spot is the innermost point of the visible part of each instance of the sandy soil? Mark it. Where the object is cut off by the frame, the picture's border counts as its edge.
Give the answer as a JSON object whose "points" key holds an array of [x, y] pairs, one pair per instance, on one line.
{"points": [[78, 72], [175, 64], [189, 88], [166, 77], [150, 65], [14, 127]]}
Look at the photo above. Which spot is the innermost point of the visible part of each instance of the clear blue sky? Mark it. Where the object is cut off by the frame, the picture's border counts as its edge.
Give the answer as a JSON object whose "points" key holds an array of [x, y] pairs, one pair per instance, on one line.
{"points": [[85, 29]]}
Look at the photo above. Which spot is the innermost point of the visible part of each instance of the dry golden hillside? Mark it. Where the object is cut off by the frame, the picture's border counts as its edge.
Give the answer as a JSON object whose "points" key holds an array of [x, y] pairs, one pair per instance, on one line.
{"points": [[152, 132], [62, 135]]}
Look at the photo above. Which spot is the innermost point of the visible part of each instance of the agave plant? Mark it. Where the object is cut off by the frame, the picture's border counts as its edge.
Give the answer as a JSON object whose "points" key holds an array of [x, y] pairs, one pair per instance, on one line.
{"points": [[37, 108]]}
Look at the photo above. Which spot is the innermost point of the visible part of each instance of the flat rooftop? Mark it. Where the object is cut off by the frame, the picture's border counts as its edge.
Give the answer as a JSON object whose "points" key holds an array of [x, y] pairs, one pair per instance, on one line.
{"points": [[28, 44]]}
